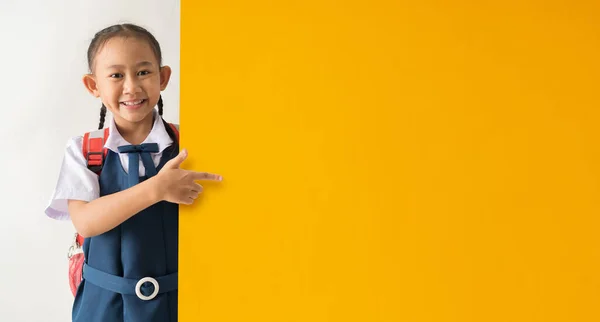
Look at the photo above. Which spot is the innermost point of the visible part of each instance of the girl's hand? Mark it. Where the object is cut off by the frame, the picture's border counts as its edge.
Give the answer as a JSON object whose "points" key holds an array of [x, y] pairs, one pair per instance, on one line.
{"points": [[179, 186]]}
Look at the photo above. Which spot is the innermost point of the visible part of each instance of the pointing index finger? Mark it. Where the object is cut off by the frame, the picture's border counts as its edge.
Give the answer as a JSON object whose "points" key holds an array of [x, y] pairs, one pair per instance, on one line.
{"points": [[206, 176]]}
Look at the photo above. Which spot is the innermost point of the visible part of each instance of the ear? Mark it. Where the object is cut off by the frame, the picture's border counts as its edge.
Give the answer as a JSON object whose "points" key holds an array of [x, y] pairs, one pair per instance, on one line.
{"points": [[90, 84], [165, 75]]}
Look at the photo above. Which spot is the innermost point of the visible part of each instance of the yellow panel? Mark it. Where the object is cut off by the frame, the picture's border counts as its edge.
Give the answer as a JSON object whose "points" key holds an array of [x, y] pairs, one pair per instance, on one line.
{"points": [[391, 161]]}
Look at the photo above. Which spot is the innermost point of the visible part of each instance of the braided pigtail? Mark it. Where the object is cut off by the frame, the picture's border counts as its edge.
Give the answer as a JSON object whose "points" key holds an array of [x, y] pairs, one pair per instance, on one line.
{"points": [[102, 117]]}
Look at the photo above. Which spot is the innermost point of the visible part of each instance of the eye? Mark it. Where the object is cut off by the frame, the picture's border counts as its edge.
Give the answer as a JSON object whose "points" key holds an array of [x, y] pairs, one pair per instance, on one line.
{"points": [[144, 72], [116, 75]]}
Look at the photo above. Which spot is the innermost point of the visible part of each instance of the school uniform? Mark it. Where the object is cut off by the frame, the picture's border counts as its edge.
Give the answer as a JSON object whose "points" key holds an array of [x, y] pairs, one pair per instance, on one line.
{"points": [[123, 266]]}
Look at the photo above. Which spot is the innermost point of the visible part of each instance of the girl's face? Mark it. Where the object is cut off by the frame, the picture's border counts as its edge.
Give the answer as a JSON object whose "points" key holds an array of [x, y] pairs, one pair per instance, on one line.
{"points": [[128, 79]]}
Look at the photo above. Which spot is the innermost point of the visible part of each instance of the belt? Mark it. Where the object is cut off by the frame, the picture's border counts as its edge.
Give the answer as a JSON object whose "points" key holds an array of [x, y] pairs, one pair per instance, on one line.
{"points": [[127, 286]]}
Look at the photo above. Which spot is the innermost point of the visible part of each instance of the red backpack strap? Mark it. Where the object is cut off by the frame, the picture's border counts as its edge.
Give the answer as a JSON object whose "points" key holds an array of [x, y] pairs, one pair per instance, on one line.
{"points": [[175, 129], [94, 154], [93, 149]]}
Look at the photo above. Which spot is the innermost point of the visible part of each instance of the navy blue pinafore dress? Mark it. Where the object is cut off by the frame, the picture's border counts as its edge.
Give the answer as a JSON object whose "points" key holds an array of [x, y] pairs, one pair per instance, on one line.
{"points": [[130, 272]]}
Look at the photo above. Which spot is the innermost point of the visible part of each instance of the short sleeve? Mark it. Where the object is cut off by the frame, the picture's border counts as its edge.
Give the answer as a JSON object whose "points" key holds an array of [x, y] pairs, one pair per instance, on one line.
{"points": [[75, 182]]}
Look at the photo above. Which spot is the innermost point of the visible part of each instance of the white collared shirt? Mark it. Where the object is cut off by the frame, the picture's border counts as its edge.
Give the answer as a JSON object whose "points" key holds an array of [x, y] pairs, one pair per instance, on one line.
{"points": [[77, 182]]}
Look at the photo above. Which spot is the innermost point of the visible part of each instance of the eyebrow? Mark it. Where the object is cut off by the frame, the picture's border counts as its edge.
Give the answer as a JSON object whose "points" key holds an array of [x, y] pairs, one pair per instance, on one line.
{"points": [[140, 64]]}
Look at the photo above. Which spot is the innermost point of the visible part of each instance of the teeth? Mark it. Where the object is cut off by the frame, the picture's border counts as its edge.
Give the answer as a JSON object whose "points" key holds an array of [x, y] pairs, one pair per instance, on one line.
{"points": [[133, 103]]}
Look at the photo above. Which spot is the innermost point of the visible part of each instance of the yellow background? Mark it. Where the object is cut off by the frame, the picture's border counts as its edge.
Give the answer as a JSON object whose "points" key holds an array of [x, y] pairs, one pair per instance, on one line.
{"points": [[391, 161]]}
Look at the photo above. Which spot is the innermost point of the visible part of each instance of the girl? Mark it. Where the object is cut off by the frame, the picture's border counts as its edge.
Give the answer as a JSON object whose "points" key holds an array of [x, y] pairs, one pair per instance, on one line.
{"points": [[128, 213]]}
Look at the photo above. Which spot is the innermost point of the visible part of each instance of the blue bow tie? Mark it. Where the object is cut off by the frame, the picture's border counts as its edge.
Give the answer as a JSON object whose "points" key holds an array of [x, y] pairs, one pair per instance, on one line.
{"points": [[135, 152]]}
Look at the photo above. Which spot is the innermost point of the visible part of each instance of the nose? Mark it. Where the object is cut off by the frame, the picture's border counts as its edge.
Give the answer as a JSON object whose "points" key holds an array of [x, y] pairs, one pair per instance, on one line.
{"points": [[131, 85]]}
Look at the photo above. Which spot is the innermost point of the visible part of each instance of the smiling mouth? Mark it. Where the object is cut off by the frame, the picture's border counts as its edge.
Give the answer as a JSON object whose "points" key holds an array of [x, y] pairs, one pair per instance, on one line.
{"points": [[133, 104]]}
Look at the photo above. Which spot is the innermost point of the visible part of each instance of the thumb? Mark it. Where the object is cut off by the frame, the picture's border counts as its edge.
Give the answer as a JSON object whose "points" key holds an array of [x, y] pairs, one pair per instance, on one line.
{"points": [[177, 161]]}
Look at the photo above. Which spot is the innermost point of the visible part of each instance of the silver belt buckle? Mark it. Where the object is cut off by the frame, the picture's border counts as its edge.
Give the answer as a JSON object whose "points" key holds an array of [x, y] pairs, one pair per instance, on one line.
{"points": [[138, 287]]}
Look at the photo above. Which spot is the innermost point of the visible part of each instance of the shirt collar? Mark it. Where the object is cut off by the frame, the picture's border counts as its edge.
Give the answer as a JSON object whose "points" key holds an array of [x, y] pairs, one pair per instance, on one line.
{"points": [[158, 135]]}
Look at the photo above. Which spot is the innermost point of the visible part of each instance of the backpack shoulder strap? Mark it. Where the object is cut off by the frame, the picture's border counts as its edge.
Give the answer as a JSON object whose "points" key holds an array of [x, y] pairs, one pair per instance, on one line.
{"points": [[94, 154], [93, 149], [175, 129]]}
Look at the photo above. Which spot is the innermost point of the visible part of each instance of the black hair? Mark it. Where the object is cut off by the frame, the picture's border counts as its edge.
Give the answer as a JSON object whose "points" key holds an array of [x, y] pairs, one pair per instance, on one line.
{"points": [[126, 30]]}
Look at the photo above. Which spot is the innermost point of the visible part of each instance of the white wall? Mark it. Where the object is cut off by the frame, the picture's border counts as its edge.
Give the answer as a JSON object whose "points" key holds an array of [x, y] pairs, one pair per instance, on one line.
{"points": [[43, 102]]}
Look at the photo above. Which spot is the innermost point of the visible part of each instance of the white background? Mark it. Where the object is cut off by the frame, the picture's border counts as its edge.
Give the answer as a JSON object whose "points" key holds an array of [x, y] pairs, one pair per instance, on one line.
{"points": [[43, 47]]}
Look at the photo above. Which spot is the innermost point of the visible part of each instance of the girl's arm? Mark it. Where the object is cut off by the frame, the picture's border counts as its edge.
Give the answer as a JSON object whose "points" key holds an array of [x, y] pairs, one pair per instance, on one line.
{"points": [[105, 213], [171, 184]]}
